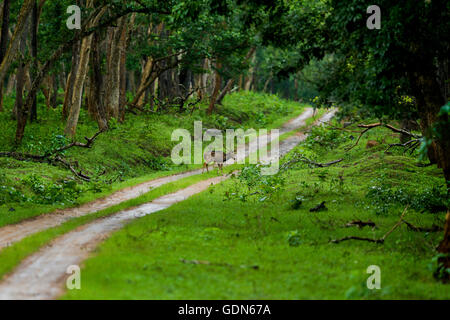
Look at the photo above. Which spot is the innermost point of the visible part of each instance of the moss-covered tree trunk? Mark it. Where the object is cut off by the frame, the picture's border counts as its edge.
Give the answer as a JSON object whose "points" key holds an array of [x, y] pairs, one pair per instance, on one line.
{"points": [[13, 45], [217, 86], [34, 55], [96, 106], [4, 40], [77, 97], [68, 92], [429, 103]]}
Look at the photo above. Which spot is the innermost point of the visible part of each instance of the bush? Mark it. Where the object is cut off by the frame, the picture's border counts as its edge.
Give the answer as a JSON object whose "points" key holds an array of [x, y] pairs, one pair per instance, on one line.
{"points": [[383, 196], [66, 191]]}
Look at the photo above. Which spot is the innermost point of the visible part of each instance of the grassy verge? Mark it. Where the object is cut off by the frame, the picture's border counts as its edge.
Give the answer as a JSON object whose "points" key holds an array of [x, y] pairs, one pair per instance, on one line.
{"points": [[11, 256], [209, 248]]}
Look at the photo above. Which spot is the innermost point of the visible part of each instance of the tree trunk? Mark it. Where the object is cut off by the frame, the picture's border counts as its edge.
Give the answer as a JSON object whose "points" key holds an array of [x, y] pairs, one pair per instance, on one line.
{"points": [[217, 86], [68, 92], [96, 105], [46, 90], [429, 102], [11, 84], [20, 112], [230, 82], [113, 76], [251, 73], [80, 78], [198, 85], [146, 71], [4, 41], [225, 90], [34, 53], [266, 84], [444, 246], [123, 72], [54, 91], [77, 97], [11, 52]]}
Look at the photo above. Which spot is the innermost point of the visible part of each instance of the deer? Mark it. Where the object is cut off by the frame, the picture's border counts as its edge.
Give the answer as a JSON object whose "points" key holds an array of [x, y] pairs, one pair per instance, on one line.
{"points": [[218, 157]]}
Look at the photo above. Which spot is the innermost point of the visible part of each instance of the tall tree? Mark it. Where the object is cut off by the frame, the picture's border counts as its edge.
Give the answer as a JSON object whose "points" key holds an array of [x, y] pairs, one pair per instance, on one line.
{"points": [[4, 40]]}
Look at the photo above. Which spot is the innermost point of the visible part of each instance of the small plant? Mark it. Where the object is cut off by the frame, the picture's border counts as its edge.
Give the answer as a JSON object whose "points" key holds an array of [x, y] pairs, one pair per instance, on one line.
{"points": [[253, 184], [437, 267], [51, 193], [325, 137], [11, 194], [294, 238], [113, 123], [158, 163], [297, 202]]}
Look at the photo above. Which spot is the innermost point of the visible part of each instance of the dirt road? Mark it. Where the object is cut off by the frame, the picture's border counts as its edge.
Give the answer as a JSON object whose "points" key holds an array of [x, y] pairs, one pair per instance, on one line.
{"points": [[13, 233], [43, 274]]}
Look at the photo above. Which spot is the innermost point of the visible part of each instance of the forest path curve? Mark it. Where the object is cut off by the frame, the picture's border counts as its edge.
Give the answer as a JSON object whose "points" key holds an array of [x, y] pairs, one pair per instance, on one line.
{"points": [[42, 275], [13, 233]]}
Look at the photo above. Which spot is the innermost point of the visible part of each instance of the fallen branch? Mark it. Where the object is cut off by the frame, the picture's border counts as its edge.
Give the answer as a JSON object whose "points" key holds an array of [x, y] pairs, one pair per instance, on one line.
{"points": [[434, 228], [88, 144], [67, 164], [320, 165], [321, 206], [357, 238], [367, 127], [407, 145], [361, 224], [298, 157], [22, 156], [380, 240], [52, 157]]}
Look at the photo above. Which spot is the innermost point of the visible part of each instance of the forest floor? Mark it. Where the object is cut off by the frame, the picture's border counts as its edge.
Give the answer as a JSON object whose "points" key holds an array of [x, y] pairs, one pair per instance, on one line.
{"points": [[239, 245], [131, 153], [52, 261], [212, 246], [16, 232]]}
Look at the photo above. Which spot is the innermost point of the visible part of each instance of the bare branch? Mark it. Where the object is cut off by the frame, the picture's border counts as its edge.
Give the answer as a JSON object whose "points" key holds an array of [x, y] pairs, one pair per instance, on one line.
{"points": [[434, 228], [367, 127], [53, 158], [380, 240]]}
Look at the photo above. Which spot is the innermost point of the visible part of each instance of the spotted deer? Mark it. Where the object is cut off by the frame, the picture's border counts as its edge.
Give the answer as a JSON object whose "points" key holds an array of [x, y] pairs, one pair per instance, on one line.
{"points": [[218, 157]]}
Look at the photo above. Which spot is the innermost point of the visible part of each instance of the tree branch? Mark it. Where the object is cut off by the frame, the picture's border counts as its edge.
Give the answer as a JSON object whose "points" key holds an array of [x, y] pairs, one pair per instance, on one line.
{"points": [[380, 240], [367, 127]]}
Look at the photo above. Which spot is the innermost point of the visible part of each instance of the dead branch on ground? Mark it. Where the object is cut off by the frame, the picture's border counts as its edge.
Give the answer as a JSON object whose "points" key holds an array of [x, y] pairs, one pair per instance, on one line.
{"points": [[380, 240], [301, 158], [361, 224], [412, 227], [53, 156]]}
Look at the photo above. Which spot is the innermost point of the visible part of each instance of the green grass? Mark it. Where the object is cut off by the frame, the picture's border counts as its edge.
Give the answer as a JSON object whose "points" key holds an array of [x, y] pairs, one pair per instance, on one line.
{"points": [[147, 258], [135, 151], [11, 256]]}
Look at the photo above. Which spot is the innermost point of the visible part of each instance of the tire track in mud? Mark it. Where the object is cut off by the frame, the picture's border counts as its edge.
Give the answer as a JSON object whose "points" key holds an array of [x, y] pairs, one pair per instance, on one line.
{"points": [[42, 275], [12, 233]]}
